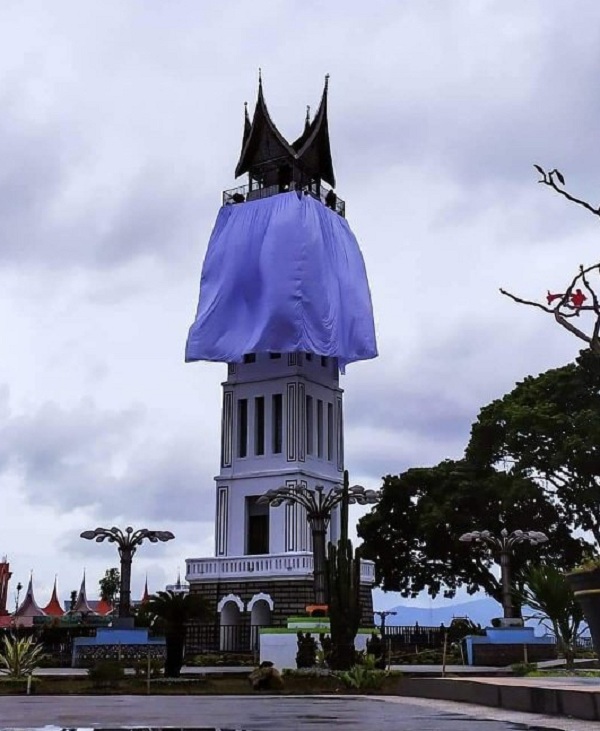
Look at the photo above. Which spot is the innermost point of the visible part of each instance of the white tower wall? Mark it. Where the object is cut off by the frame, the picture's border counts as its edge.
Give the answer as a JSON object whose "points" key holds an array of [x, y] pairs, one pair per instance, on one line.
{"points": [[282, 423]]}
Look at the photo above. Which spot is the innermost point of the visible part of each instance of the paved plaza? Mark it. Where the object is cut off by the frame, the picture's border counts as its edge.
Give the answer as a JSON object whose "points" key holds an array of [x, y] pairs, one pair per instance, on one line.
{"points": [[283, 713]]}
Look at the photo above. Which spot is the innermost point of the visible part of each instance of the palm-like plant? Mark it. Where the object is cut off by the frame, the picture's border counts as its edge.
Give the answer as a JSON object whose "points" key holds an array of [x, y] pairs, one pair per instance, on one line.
{"points": [[19, 656], [548, 593], [172, 612]]}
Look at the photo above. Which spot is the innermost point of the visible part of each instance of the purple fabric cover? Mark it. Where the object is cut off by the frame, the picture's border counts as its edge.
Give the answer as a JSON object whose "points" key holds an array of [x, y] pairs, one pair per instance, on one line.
{"points": [[282, 274]]}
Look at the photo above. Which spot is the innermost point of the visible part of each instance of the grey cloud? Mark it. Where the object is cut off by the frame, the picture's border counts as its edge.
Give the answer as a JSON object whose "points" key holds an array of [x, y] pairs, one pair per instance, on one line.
{"points": [[425, 411], [90, 458], [422, 413], [155, 217], [478, 119], [481, 119]]}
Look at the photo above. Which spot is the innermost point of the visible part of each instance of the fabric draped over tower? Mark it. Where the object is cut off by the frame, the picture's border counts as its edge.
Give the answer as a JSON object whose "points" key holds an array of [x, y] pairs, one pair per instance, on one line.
{"points": [[282, 274]]}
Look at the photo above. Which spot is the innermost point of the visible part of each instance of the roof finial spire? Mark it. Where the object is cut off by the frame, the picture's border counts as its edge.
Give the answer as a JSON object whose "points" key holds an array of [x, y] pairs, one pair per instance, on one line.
{"points": [[326, 81], [247, 124], [259, 76], [307, 120], [146, 595]]}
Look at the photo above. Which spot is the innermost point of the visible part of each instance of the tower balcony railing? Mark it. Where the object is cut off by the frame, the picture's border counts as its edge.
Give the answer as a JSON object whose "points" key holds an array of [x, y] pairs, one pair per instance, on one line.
{"points": [[244, 193], [275, 565]]}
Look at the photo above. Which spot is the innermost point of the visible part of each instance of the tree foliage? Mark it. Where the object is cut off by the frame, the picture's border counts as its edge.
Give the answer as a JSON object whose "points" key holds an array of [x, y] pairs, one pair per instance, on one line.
{"points": [[413, 532], [548, 429], [548, 593], [109, 585], [172, 612]]}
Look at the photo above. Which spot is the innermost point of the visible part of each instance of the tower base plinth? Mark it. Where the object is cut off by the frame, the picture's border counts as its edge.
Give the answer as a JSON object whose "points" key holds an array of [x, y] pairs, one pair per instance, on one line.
{"points": [[240, 607]]}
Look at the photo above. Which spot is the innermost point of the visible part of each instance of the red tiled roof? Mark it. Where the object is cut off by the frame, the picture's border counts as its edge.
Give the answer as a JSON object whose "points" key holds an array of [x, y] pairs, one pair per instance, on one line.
{"points": [[53, 608], [101, 607]]}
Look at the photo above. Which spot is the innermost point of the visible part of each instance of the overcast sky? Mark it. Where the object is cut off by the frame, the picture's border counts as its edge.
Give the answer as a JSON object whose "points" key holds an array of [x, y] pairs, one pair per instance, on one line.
{"points": [[120, 124]]}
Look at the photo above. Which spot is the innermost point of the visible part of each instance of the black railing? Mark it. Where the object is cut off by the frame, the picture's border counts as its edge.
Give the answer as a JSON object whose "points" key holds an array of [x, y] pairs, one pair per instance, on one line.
{"points": [[404, 636], [244, 193], [227, 638]]}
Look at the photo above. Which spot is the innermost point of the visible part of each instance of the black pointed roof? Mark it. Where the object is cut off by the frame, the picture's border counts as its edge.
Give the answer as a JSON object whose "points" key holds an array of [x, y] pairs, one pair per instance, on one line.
{"points": [[312, 147], [262, 142]]}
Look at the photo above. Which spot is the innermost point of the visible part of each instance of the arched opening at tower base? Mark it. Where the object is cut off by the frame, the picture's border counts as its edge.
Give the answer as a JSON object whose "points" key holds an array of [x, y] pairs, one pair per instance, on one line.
{"points": [[230, 627], [260, 616]]}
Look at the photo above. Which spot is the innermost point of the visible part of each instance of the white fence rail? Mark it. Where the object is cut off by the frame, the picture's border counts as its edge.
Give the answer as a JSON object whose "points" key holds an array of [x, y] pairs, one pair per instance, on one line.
{"points": [[278, 565]]}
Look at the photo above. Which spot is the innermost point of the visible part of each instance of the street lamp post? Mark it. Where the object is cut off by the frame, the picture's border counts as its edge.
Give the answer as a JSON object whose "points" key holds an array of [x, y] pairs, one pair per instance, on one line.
{"points": [[382, 616], [127, 542], [17, 595], [319, 505], [504, 544]]}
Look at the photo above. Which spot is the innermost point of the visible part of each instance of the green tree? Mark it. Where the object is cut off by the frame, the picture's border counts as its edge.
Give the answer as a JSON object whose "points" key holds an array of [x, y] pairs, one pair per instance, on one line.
{"points": [[109, 585], [173, 611], [413, 533], [548, 429], [547, 592]]}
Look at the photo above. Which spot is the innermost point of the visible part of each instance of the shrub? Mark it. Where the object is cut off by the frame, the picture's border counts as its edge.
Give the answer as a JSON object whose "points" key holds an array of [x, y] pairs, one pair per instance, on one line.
{"points": [[376, 648], [106, 674], [306, 657], [591, 564], [208, 659], [364, 676], [462, 627], [140, 668], [324, 656], [520, 669]]}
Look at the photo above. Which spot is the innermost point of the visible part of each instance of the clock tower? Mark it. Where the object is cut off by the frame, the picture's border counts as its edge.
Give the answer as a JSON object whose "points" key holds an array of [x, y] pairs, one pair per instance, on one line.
{"points": [[285, 303]]}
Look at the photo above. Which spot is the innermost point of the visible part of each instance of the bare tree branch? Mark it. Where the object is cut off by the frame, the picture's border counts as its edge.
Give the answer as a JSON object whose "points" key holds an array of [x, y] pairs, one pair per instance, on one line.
{"points": [[526, 302], [570, 303], [549, 179]]}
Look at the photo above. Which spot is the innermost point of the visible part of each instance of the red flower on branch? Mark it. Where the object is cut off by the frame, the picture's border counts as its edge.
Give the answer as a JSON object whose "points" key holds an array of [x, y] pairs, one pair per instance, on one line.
{"points": [[577, 298]]}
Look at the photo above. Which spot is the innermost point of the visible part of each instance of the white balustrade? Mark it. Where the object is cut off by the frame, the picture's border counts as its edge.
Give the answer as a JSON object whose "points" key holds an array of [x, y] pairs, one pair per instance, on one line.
{"points": [[278, 565]]}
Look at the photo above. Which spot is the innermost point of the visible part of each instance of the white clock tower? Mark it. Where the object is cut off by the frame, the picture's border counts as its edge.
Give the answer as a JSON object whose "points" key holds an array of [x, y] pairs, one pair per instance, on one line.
{"points": [[284, 301]]}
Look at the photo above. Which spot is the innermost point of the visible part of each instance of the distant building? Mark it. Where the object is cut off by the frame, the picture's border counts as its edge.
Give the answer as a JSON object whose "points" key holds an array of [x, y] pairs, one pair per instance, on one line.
{"points": [[179, 587], [5, 575]]}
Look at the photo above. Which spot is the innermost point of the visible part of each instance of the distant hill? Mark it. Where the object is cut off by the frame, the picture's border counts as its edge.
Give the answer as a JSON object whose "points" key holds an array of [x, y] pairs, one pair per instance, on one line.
{"points": [[479, 611]]}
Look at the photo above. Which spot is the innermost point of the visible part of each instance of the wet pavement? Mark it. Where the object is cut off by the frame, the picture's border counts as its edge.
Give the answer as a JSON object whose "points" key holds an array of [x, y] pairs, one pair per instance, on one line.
{"points": [[268, 713]]}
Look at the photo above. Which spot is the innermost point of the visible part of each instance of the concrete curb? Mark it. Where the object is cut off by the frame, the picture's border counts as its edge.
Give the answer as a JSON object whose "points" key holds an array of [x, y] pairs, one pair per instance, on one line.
{"points": [[583, 704]]}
